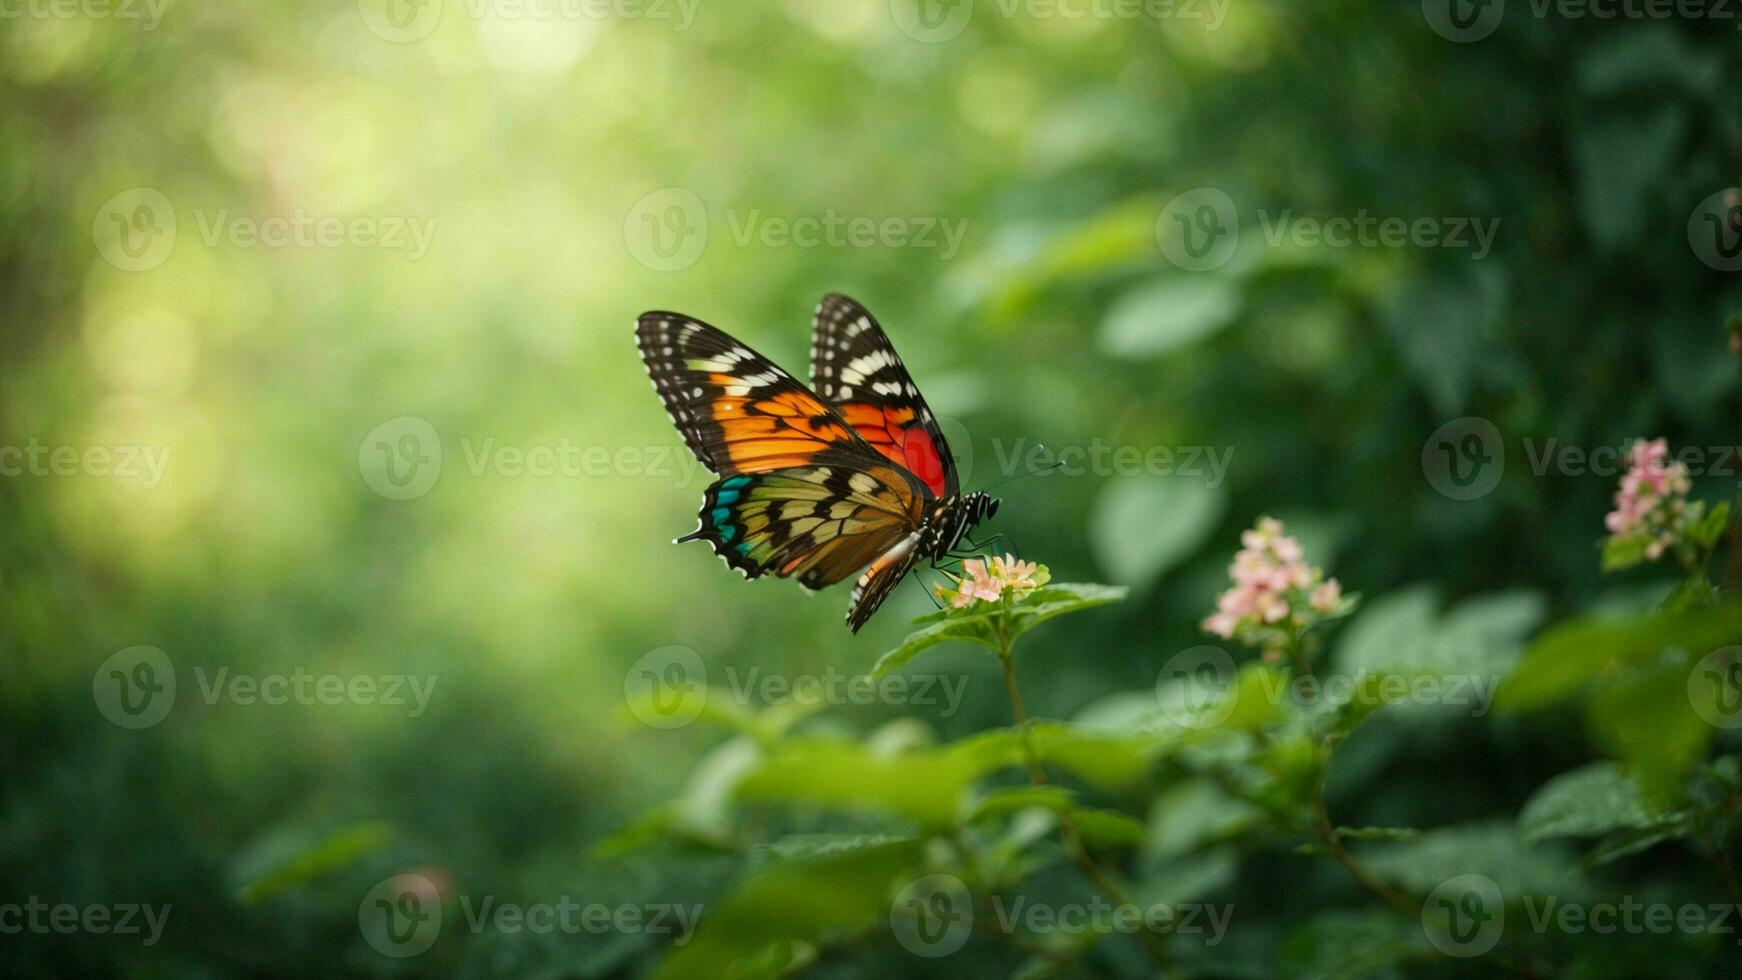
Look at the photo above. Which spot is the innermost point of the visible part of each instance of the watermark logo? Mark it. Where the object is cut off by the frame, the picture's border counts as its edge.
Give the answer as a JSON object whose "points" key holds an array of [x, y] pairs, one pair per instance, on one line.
{"points": [[135, 687], [299, 229], [1464, 458], [1364, 229], [1198, 230], [666, 687], [149, 13], [1464, 916], [1715, 687], [1715, 230], [1102, 459], [1463, 21], [1193, 686], [123, 462], [932, 916], [669, 690], [63, 918], [401, 459], [400, 21], [572, 918], [932, 21], [668, 229], [401, 916], [135, 230]]}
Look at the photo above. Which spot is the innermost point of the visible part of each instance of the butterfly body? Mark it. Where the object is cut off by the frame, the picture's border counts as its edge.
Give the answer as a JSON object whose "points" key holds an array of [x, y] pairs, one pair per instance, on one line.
{"points": [[814, 485]]}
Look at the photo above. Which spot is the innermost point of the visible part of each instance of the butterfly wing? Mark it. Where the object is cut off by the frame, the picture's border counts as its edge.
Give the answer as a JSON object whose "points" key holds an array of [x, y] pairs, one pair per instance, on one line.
{"points": [[802, 494], [854, 368], [879, 580], [818, 524], [738, 411]]}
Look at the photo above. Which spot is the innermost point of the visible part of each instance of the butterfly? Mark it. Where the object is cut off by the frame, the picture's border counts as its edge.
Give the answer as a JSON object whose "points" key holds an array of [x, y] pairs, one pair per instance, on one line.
{"points": [[816, 482]]}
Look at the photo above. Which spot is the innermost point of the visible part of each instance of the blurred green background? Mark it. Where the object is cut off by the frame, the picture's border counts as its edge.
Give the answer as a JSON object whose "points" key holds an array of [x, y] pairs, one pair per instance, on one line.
{"points": [[575, 169]]}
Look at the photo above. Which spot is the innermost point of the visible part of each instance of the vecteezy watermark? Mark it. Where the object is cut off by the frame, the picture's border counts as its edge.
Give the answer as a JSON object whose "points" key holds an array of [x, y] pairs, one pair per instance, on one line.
{"points": [[404, 21], [1367, 230], [1715, 687], [401, 459], [570, 459], [1200, 230], [667, 230], [570, 917], [1715, 230], [1194, 688], [402, 917], [1464, 458], [135, 231], [35, 458], [936, 21], [1568, 459], [933, 916], [1465, 916], [1100, 458], [149, 13], [42, 918], [136, 688], [299, 229], [1464, 21], [667, 687]]}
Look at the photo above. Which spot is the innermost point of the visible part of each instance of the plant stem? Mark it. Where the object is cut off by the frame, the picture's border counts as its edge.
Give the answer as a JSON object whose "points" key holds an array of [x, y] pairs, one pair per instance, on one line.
{"points": [[1328, 834], [1073, 838]]}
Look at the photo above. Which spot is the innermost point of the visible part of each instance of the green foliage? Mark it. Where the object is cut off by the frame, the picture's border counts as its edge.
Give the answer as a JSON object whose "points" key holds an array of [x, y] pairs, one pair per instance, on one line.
{"points": [[1316, 375], [991, 627], [1143, 527], [773, 922]]}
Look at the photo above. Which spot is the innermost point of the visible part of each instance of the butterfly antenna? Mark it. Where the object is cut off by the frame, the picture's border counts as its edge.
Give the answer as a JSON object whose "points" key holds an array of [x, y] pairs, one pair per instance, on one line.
{"points": [[1017, 476]]}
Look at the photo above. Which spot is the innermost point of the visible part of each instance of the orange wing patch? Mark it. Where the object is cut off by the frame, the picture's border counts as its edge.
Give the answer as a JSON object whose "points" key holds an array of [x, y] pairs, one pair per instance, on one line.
{"points": [[783, 430], [894, 431]]}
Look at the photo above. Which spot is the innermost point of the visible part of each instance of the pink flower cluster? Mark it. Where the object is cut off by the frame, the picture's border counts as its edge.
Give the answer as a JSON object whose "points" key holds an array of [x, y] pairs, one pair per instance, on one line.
{"points": [[980, 583], [1652, 500], [1272, 583]]}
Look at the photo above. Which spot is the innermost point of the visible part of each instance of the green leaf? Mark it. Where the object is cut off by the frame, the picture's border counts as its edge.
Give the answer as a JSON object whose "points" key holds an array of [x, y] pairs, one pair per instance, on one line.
{"points": [[1567, 657], [337, 850], [928, 786], [1009, 799], [978, 624], [1142, 527], [1167, 314], [1706, 533], [1060, 598], [1100, 828], [934, 786], [1646, 717], [1353, 945], [1108, 828], [1493, 849], [1619, 157], [1621, 551], [968, 629], [1196, 813], [776, 917], [723, 707], [1587, 802], [700, 816]]}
